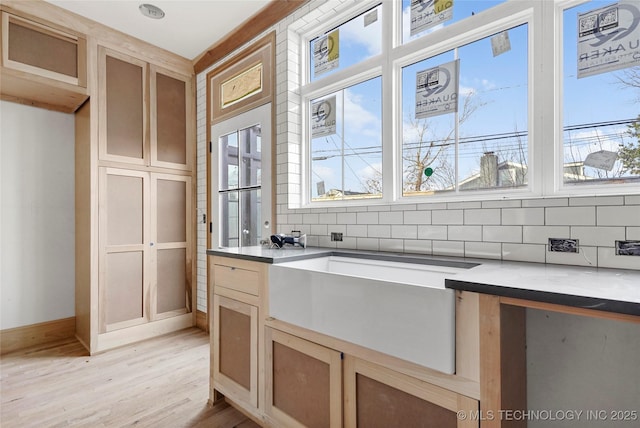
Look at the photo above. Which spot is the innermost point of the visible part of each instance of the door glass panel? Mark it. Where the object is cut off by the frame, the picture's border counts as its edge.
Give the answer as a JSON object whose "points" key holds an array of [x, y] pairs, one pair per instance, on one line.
{"points": [[250, 217], [229, 161], [250, 142], [229, 217]]}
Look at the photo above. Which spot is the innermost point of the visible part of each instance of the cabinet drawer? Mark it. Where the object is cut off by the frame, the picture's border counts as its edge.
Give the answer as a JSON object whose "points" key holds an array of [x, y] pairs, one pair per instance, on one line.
{"points": [[237, 278]]}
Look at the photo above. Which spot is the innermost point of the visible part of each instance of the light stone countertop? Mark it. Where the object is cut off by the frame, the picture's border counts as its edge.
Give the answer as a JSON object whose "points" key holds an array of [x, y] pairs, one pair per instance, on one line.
{"points": [[613, 290]]}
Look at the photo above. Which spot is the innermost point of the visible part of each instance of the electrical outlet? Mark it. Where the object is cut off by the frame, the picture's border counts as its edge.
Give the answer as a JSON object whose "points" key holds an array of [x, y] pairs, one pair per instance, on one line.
{"points": [[562, 245], [628, 248], [336, 236]]}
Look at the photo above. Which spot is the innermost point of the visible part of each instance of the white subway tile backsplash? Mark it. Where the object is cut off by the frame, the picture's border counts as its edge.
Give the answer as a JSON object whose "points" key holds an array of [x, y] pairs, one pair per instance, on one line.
{"points": [[379, 231], [632, 200], [357, 230], [391, 245], [327, 218], [523, 216], [448, 248], [447, 217], [524, 252], [570, 216], [485, 250], [586, 256], [597, 236], [464, 233], [378, 208], [404, 231], [541, 234], [556, 202], [482, 216], [393, 217], [628, 215], [326, 242], [346, 218], [432, 232], [318, 229], [502, 233], [464, 205], [417, 217], [367, 218], [596, 200], [512, 203], [371, 244], [348, 242], [417, 246], [607, 258], [432, 206], [633, 233], [404, 207]]}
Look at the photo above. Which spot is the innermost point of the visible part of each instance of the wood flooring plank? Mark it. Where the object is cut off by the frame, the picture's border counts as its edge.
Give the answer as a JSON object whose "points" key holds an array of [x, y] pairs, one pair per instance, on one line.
{"points": [[161, 382]]}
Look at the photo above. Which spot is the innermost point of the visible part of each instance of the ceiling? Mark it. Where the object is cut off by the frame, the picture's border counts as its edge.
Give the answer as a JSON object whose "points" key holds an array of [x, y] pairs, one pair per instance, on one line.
{"points": [[188, 29]]}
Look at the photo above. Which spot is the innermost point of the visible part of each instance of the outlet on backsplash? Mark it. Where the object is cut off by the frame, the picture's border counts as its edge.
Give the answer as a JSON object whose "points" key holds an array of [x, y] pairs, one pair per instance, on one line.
{"points": [[628, 248], [563, 245], [336, 236]]}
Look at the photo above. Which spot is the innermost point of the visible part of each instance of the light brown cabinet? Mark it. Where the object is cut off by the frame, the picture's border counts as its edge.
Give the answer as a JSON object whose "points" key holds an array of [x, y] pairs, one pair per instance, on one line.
{"points": [[145, 247], [237, 332], [135, 231], [303, 382], [43, 64], [144, 111]]}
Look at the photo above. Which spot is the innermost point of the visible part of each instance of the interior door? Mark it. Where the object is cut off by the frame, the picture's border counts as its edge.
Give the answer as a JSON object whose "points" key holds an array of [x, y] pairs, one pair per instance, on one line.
{"points": [[241, 179]]}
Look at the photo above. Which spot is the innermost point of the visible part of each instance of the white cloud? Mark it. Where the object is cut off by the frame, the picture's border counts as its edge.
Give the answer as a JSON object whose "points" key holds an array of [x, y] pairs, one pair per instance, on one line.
{"points": [[370, 36], [358, 118]]}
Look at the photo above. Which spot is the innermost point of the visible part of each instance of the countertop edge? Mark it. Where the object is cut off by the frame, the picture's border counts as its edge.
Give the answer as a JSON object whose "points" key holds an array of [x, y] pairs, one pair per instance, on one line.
{"points": [[584, 302]]}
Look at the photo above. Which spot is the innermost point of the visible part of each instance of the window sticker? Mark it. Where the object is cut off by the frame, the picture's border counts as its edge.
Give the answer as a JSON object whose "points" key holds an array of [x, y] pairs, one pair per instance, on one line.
{"points": [[437, 90], [371, 17], [326, 52], [323, 117], [608, 38], [429, 13], [500, 43]]}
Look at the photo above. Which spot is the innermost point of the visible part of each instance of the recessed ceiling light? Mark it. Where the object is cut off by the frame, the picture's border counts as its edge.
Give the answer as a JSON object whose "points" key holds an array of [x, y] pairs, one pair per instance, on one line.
{"points": [[151, 11]]}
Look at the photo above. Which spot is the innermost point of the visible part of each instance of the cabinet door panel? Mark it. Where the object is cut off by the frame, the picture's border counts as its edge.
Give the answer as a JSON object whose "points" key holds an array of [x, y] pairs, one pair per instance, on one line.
{"points": [[125, 210], [171, 123], [303, 382], [171, 283], [301, 386], [235, 346], [41, 49], [125, 106], [235, 349], [171, 211], [171, 110], [123, 295]]}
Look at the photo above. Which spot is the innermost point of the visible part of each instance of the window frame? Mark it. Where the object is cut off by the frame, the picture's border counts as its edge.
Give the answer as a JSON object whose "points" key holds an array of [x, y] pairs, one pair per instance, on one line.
{"points": [[544, 91]]}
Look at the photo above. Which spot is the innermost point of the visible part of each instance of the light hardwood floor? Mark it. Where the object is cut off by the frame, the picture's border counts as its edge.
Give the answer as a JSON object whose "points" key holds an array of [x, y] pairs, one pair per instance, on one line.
{"points": [[160, 383]]}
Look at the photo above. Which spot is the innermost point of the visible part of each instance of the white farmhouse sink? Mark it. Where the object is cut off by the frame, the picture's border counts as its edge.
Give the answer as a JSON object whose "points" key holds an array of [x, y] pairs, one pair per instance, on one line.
{"points": [[401, 309]]}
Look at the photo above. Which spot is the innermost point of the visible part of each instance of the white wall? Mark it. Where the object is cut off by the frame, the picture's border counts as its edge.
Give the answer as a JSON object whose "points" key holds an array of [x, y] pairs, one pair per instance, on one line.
{"points": [[37, 214], [577, 364]]}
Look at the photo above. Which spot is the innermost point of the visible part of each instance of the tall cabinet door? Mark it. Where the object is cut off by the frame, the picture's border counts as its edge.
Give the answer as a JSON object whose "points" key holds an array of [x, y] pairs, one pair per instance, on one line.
{"points": [[124, 248], [171, 105], [123, 123], [171, 245]]}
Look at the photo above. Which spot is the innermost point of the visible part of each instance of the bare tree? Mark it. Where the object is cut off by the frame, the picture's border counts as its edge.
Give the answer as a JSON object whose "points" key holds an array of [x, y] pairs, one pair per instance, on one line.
{"points": [[427, 148]]}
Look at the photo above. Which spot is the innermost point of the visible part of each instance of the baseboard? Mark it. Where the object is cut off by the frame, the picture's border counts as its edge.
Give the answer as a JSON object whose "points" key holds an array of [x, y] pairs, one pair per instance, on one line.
{"points": [[202, 321], [13, 339]]}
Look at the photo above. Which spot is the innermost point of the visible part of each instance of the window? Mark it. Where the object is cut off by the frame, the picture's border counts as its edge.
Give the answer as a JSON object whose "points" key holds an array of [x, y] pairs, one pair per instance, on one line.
{"points": [[486, 140], [349, 43], [514, 107], [346, 143], [601, 118], [421, 17]]}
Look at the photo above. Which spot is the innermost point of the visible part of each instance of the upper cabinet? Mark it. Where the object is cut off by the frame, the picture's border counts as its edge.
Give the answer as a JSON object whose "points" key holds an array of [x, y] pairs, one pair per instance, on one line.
{"points": [[42, 64], [144, 113]]}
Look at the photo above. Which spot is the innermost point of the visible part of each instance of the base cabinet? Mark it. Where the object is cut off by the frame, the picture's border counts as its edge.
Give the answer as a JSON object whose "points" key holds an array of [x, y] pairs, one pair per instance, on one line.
{"points": [[303, 382], [309, 385], [235, 346], [376, 396]]}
